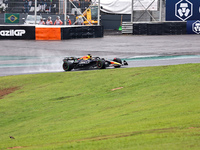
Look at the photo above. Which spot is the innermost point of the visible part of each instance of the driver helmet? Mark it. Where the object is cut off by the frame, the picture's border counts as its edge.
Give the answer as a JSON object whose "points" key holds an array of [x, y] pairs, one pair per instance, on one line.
{"points": [[58, 17], [49, 18], [89, 56]]}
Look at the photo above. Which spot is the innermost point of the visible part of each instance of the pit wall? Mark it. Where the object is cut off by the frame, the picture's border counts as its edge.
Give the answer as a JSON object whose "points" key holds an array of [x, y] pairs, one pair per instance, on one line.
{"points": [[49, 32]]}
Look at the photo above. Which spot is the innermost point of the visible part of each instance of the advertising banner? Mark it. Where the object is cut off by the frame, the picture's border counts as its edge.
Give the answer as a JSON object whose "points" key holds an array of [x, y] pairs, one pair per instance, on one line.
{"points": [[11, 18], [182, 10], [193, 27], [17, 32]]}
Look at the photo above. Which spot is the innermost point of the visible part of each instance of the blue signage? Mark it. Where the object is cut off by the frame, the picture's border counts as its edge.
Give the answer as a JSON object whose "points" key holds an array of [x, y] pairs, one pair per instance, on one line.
{"points": [[193, 27], [182, 10]]}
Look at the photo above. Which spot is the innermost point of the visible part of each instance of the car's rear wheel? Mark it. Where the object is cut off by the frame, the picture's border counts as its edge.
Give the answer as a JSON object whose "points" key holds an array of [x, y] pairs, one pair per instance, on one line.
{"points": [[68, 66], [101, 64]]}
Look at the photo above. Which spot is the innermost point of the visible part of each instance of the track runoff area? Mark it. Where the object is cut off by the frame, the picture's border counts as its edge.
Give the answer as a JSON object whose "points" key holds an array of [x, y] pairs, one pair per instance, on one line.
{"points": [[29, 56]]}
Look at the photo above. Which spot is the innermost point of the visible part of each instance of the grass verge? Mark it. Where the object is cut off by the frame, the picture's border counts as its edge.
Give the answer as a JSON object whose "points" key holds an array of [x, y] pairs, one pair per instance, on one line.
{"points": [[133, 108]]}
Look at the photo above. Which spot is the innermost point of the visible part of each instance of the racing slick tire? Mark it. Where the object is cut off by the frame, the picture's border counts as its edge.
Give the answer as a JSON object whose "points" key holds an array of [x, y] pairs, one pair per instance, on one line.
{"points": [[101, 64], [117, 60], [68, 66]]}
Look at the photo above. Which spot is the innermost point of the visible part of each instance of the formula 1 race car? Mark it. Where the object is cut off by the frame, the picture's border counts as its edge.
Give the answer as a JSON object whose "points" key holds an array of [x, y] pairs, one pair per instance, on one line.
{"points": [[89, 62]]}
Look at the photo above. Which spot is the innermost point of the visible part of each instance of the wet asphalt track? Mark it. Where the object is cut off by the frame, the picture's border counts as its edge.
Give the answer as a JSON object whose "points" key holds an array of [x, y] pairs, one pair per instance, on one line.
{"points": [[24, 57]]}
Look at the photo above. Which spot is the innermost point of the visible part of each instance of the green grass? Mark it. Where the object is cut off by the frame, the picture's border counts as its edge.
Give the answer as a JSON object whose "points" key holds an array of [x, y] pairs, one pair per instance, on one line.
{"points": [[157, 108]]}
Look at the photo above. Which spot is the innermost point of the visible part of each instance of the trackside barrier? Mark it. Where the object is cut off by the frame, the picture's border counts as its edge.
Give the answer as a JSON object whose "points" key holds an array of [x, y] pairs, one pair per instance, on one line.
{"points": [[67, 32], [50, 32], [160, 28], [17, 32], [82, 32], [47, 33]]}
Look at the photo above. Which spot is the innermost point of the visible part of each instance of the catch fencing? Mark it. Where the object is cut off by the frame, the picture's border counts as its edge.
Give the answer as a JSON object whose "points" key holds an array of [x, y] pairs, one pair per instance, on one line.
{"points": [[45, 8]]}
